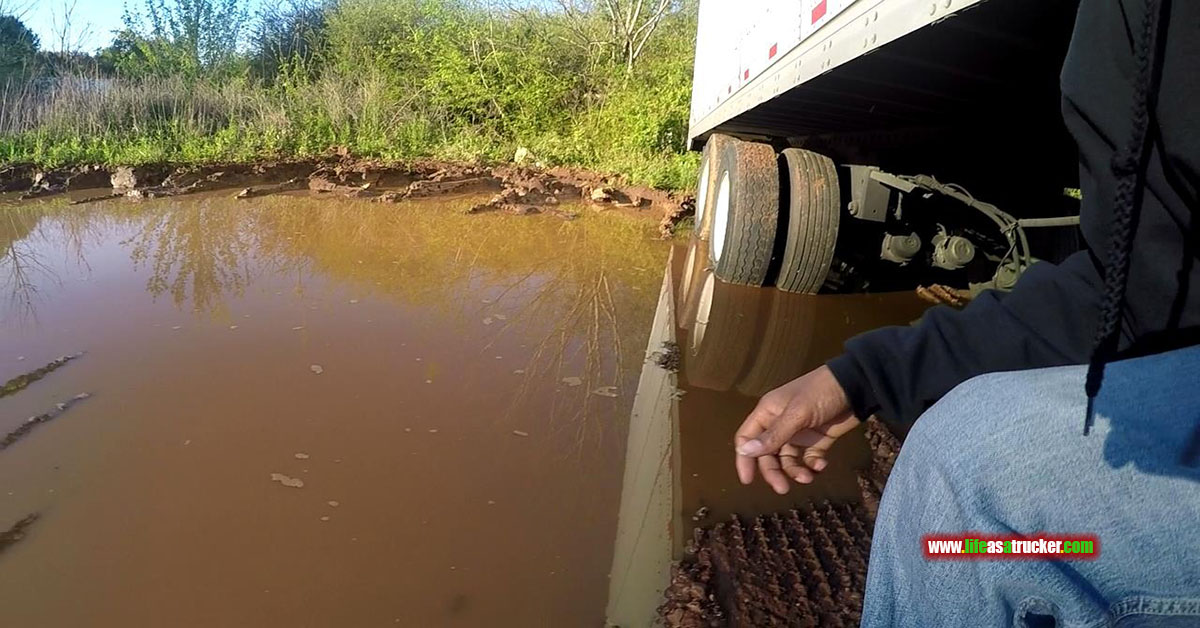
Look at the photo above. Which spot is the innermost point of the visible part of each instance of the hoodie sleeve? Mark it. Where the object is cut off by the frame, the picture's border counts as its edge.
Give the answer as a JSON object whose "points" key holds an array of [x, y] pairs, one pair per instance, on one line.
{"points": [[1048, 320], [1051, 317]]}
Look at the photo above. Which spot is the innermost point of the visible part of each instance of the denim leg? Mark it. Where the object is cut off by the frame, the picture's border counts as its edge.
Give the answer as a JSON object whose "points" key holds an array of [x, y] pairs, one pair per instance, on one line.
{"points": [[1005, 453]]}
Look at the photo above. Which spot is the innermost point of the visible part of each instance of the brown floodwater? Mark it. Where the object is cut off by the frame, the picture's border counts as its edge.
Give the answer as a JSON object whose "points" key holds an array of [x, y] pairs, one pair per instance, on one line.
{"points": [[738, 343], [734, 343], [453, 392]]}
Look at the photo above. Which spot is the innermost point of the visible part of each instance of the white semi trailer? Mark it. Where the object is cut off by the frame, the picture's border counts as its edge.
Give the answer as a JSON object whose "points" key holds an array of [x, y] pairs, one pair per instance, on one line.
{"points": [[831, 130]]}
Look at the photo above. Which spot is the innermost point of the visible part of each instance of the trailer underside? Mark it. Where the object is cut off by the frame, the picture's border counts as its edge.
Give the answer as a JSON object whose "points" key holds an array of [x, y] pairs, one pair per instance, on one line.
{"points": [[998, 59]]}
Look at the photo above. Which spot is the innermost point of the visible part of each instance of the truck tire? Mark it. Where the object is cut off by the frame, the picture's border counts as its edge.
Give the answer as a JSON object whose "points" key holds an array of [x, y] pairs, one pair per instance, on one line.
{"points": [[707, 183], [691, 278], [785, 351], [722, 334], [745, 212], [814, 209]]}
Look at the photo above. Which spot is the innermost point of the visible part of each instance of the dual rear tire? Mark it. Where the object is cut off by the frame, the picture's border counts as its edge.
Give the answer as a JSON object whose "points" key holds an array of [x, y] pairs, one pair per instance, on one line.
{"points": [[748, 199], [741, 204]]}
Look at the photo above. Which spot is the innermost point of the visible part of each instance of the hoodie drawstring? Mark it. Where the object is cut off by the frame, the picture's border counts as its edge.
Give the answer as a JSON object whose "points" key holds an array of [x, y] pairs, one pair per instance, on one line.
{"points": [[1129, 167]]}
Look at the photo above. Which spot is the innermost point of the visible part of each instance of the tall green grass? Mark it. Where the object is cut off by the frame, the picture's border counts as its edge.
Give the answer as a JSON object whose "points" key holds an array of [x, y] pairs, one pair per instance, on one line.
{"points": [[393, 79]]}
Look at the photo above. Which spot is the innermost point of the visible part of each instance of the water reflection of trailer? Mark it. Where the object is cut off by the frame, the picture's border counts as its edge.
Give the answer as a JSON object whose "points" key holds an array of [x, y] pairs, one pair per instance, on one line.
{"points": [[804, 110]]}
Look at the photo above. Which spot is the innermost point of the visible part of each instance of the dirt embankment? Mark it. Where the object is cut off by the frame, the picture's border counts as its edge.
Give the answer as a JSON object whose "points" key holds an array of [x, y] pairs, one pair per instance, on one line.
{"points": [[516, 189]]}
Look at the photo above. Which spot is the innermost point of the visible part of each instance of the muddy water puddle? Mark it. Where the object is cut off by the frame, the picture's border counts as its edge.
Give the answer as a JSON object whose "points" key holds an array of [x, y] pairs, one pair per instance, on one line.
{"points": [[314, 413], [714, 349], [737, 343]]}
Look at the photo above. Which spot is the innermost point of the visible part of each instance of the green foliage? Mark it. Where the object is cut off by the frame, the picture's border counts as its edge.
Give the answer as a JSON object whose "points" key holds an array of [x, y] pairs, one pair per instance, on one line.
{"points": [[190, 38], [18, 49], [394, 79], [287, 37]]}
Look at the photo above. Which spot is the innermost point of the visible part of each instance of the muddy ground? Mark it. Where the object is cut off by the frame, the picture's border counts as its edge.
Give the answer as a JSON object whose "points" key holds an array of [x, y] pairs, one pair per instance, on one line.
{"points": [[516, 189]]}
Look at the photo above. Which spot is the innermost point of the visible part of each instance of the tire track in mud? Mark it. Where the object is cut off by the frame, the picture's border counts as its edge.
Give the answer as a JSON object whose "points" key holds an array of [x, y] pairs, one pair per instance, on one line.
{"points": [[21, 382], [13, 535], [21, 432], [19, 530]]}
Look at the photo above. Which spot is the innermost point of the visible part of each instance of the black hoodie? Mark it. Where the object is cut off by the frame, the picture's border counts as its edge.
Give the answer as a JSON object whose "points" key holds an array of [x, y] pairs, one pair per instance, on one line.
{"points": [[1051, 318]]}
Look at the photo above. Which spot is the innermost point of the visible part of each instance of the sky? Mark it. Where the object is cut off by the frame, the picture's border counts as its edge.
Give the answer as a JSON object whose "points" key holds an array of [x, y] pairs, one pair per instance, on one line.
{"points": [[96, 19]]}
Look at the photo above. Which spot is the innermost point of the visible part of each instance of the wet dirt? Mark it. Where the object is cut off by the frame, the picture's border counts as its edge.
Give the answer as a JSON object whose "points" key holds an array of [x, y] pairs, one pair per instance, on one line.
{"points": [[517, 189], [453, 473]]}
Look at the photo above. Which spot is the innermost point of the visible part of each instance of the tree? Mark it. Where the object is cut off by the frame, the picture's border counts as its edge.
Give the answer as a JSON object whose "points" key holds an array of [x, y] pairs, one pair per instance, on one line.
{"points": [[123, 56], [18, 49], [625, 29], [69, 33], [288, 34], [188, 37]]}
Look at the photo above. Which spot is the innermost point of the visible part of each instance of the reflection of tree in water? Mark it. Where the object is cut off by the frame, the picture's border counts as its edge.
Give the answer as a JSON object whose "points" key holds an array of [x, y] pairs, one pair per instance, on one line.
{"points": [[31, 232], [20, 264], [197, 250], [581, 293], [585, 290]]}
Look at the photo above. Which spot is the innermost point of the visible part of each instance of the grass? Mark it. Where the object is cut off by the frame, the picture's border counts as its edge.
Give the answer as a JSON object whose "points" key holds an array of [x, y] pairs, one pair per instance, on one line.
{"points": [[128, 122], [386, 79]]}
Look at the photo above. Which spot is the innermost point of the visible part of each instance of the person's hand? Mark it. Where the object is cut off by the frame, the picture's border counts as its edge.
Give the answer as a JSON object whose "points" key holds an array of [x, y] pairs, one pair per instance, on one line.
{"points": [[789, 433]]}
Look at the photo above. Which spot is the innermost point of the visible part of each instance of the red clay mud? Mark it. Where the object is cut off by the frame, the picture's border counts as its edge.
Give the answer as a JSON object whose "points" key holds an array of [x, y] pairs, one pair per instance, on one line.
{"points": [[519, 189]]}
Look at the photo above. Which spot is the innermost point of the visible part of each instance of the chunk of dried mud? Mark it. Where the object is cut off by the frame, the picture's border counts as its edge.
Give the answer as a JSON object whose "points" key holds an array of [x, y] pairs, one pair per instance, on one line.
{"points": [[289, 482], [667, 358], [276, 188], [675, 215]]}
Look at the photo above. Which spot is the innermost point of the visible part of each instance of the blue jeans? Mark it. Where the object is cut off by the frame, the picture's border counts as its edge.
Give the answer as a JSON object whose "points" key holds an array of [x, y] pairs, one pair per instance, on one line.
{"points": [[1005, 453]]}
